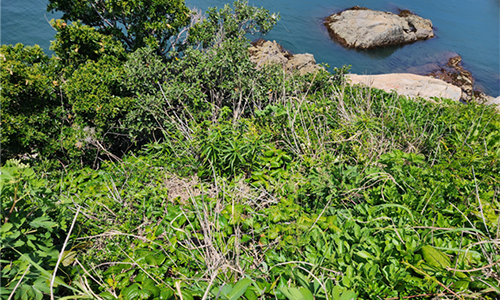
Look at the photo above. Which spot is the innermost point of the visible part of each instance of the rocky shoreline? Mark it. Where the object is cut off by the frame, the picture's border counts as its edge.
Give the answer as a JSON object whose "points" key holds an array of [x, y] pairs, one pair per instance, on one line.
{"points": [[410, 85], [453, 82], [363, 28], [450, 80]]}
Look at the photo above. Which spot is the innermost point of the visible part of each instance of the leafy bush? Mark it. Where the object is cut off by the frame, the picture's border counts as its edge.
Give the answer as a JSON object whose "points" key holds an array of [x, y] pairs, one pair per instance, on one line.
{"points": [[200, 86], [75, 44], [62, 108], [231, 23], [228, 150]]}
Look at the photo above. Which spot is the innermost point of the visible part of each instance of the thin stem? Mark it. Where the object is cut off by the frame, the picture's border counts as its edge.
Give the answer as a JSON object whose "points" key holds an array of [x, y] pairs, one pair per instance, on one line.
{"points": [[19, 282], [61, 254]]}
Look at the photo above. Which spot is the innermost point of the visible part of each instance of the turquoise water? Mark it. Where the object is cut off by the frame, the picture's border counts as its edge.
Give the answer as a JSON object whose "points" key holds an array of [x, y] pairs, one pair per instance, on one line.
{"points": [[470, 28], [26, 21]]}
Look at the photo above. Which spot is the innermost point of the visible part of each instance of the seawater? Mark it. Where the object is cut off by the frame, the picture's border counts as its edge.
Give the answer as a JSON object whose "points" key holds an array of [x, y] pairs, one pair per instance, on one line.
{"points": [[465, 27]]}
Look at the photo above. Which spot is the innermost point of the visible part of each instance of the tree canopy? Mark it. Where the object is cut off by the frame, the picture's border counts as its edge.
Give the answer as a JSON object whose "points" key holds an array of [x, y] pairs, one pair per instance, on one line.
{"points": [[136, 23]]}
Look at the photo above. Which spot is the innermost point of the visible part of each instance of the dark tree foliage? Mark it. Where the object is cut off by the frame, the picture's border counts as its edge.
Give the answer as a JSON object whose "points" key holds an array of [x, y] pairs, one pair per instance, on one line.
{"points": [[76, 44], [136, 23]]}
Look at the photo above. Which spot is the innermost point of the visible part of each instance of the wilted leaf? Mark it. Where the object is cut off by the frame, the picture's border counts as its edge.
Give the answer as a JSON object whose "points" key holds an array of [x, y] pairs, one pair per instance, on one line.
{"points": [[68, 257]]}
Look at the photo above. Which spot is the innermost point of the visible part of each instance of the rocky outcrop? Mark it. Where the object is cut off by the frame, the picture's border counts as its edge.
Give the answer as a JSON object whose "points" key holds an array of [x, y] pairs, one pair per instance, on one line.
{"points": [[363, 28], [410, 85], [266, 52]]}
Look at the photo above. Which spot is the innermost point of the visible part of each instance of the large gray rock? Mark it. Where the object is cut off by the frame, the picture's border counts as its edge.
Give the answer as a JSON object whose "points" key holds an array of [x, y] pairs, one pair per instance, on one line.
{"points": [[410, 85], [363, 28]]}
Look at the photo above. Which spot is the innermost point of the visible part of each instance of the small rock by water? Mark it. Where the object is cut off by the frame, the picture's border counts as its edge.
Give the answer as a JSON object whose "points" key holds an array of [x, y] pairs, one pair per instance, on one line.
{"points": [[363, 28], [266, 52]]}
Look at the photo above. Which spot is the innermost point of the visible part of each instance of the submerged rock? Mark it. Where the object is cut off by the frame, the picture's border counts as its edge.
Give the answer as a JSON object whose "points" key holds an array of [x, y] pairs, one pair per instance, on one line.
{"points": [[266, 52], [409, 85], [454, 73], [363, 28]]}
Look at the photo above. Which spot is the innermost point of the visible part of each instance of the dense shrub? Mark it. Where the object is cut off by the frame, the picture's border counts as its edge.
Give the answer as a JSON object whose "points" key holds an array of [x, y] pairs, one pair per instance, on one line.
{"points": [[32, 113]]}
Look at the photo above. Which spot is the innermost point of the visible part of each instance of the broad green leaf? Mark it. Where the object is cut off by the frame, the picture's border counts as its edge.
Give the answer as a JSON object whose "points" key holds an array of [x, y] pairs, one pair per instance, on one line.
{"points": [[435, 257], [156, 259], [461, 285], [107, 296], [42, 285], [166, 294], [348, 295], [239, 289], [306, 294], [5, 228], [364, 254], [225, 290], [131, 292], [150, 286], [269, 153], [187, 295], [284, 291], [337, 291], [159, 230], [144, 294], [295, 294], [250, 294], [43, 221]]}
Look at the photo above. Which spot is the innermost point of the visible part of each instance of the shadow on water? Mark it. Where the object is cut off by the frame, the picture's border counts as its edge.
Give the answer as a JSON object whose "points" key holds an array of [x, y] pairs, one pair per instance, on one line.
{"points": [[379, 53]]}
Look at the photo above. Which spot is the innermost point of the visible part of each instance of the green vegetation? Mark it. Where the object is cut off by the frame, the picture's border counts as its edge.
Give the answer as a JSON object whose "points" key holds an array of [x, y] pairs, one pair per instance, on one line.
{"points": [[134, 173]]}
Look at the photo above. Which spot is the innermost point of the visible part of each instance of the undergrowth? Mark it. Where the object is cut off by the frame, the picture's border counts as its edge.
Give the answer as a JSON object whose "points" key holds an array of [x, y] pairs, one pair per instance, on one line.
{"points": [[334, 191]]}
